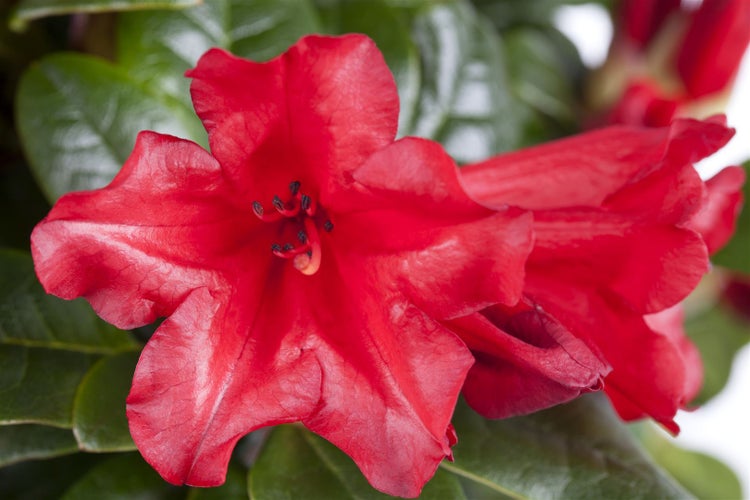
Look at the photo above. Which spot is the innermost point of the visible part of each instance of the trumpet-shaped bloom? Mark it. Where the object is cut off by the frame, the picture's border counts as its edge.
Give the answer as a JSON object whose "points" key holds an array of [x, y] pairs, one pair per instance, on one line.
{"points": [[613, 211], [304, 267]]}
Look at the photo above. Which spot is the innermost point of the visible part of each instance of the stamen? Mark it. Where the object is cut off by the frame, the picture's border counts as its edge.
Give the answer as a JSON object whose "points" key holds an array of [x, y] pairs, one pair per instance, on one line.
{"points": [[328, 226], [294, 187], [276, 247], [277, 203], [287, 247], [258, 209], [310, 263], [305, 202], [302, 237]]}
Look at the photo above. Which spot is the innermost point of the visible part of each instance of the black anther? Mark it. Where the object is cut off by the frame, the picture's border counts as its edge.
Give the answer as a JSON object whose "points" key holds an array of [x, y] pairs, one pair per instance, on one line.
{"points": [[287, 247], [302, 237], [276, 247], [305, 202], [258, 208], [294, 187], [328, 226], [278, 203]]}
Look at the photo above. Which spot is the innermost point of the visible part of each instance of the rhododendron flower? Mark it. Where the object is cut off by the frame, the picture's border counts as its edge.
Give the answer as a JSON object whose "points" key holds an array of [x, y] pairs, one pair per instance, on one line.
{"points": [[613, 244], [304, 267], [671, 59]]}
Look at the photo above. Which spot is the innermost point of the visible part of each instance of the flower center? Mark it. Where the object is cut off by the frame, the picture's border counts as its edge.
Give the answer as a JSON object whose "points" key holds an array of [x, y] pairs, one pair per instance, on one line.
{"points": [[304, 213]]}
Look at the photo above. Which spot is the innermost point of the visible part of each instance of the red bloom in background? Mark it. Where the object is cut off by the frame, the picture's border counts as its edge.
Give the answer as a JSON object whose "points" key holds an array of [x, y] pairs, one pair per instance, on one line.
{"points": [[668, 61], [304, 267], [612, 213]]}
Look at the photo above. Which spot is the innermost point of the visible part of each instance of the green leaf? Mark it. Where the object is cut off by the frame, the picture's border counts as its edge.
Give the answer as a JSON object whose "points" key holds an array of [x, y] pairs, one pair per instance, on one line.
{"points": [[704, 476], [13, 362], [27, 10], [735, 254], [29, 317], [99, 421], [235, 487], [578, 450], [464, 101], [21, 204], [157, 48], [78, 118], [24, 442], [719, 334], [43, 479], [45, 389], [296, 463], [123, 476]]}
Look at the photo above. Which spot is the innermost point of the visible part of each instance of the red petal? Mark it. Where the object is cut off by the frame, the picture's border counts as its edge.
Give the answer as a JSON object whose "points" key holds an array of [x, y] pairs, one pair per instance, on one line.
{"points": [[717, 219], [452, 255], [650, 266], [391, 377], [648, 371], [525, 361], [587, 169], [312, 114], [206, 378], [644, 103], [641, 20], [137, 247], [714, 44], [671, 323]]}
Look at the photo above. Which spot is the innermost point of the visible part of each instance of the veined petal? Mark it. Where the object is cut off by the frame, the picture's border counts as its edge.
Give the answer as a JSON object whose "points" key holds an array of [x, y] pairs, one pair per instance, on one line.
{"points": [[147, 239], [590, 168], [206, 378], [391, 377], [525, 361], [648, 374], [311, 114], [649, 266], [717, 219]]}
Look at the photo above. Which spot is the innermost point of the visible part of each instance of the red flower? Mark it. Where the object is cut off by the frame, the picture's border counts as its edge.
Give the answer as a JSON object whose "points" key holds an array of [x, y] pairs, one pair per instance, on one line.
{"points": [[611, 210], [669, 61], [303, 267]]}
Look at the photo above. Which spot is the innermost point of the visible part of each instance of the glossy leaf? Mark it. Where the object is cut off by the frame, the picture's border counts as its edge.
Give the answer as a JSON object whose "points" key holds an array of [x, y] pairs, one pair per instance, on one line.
{"points": [[13, 362], [702, 475], [296, 463], [46, 388], [24, 442], [578, 450], [464, 101], [122, 476], [719, 334], [44, 479], [27, 10], [29, 317], [735, 254], [78, 117], [235, 487], [99, 421], [158, 47]]}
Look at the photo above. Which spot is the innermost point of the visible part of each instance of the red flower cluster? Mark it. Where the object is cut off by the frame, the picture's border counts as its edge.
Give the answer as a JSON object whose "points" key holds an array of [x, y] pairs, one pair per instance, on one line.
{"points": [[670, 61], [313, 269]]}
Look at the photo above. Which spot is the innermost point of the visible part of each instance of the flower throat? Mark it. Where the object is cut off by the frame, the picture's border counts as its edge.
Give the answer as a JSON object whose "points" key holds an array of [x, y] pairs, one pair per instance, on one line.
{"points": [[301, 209]]}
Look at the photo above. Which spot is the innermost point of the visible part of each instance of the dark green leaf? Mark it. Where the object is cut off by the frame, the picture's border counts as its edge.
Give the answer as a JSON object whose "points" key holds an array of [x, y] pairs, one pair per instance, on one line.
{"points": [[719, 334], [27, 10], [99, 421], [30, 317], [464, 101], [579, 450], [235, 487], [13, 362], [43, 479], [702, 475], [21, 204], [157, 47], [296, 463], [123, 476], [24, 442], [735, 254], [78, 118], [44, 394]]}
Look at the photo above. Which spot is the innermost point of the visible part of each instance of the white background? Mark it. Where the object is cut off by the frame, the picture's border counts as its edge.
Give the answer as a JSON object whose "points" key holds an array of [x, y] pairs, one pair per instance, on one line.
{"points": [[721, 427]]}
